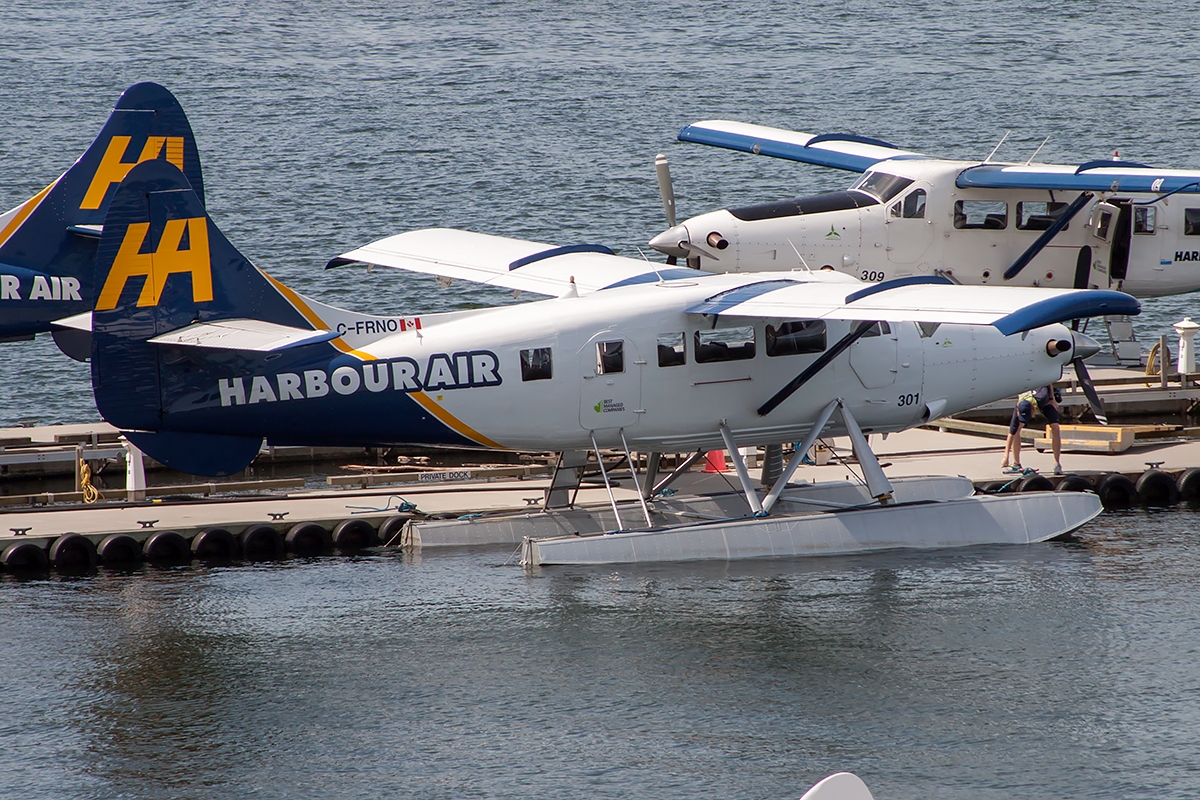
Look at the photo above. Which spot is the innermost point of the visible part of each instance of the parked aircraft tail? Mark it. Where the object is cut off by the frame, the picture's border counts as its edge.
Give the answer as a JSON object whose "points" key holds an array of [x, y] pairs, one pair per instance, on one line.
{"points": [[179, 310], [47, 244]]}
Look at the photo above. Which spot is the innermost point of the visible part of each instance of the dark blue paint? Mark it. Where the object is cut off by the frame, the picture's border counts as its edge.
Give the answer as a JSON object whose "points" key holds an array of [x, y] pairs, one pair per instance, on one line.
{"points": [[1091, 303], [544, 254], [722, 301]]}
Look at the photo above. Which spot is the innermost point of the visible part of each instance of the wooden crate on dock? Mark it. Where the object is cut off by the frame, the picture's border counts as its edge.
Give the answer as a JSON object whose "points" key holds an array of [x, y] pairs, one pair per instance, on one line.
{"points": [[1095, 438]]}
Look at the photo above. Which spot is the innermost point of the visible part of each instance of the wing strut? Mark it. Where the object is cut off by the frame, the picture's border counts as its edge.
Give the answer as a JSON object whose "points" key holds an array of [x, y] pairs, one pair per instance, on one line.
{"points": [[823, 361], [1070, 211]]}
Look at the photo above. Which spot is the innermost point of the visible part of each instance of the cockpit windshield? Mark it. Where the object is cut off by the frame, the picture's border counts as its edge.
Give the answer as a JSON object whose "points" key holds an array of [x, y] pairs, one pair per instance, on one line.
{"points": [[882, 185]]}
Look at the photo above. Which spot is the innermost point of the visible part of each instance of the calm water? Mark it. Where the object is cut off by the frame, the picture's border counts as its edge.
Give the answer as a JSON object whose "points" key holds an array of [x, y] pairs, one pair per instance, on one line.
{"points": [[1065, 670]]}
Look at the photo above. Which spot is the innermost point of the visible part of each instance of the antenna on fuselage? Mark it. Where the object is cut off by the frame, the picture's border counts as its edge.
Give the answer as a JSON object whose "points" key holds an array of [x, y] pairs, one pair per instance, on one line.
{"points": [[803, 263], [1039, 149], [661, 279], [997, 147]]}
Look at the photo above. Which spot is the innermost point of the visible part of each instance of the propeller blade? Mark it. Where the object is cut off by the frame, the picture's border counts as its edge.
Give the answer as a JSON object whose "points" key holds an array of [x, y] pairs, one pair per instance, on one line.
{"points": [[1085, 380], [665, 187], [1040, 243]]}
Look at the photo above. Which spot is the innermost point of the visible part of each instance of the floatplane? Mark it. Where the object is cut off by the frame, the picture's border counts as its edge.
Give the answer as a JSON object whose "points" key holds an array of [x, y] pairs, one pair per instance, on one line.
{"points": [[199, 356], [1107, 224]]}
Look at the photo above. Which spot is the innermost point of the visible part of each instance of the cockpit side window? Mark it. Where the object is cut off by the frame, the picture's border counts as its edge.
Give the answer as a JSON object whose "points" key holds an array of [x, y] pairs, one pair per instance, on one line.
{"points": [[882, 185], [796, 337], [911, 207], [878, 329]]}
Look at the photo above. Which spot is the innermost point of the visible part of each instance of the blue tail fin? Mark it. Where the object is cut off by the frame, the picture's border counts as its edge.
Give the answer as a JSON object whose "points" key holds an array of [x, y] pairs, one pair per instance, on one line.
{"points": [[162, 265], [194, 349], [48, 243]]}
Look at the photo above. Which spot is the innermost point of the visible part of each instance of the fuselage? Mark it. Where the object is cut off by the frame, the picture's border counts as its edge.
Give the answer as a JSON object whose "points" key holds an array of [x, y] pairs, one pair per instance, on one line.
{"points": [[908, 217], [550, 375]]}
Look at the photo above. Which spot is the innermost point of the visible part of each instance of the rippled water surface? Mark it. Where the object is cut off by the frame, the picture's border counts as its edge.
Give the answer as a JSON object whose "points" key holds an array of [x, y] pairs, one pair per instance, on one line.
{"points": [[1065, 670]]}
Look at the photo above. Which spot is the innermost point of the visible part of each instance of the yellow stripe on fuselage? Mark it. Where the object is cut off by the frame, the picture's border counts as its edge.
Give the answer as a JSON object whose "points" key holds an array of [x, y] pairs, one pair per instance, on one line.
{"points": [[25, 211], [298, 303], [453, 422], [444, 416]]}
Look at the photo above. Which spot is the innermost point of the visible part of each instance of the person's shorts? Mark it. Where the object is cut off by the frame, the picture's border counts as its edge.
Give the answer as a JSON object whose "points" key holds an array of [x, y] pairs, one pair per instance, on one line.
{"points": [[1023, 415]]}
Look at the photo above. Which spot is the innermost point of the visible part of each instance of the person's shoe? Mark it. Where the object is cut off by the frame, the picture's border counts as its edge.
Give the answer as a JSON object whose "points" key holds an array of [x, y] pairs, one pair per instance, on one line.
{"points": [[1015, 469], [1058, 470]]}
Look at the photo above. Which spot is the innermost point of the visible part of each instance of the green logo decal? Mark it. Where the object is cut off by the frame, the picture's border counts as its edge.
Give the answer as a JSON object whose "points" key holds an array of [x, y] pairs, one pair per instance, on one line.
{"points": [[832, 234], [597, 408]]}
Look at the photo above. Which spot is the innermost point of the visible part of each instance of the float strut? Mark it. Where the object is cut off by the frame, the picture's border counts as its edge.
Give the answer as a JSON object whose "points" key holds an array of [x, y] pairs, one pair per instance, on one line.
{"points": [[798, 456], [877, 483], [636, 483], [604, 474], [743, 474]]}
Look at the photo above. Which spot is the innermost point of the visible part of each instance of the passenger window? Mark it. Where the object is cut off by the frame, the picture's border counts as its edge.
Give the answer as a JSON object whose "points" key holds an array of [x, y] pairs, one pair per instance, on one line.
{"points": [[1103, 223], [1038, 216], [1191, 222], [671, 350], [981, 214], [1144, 219], [610, 357], [796, 337], [535, 364], [878, 329], [724, 344]]}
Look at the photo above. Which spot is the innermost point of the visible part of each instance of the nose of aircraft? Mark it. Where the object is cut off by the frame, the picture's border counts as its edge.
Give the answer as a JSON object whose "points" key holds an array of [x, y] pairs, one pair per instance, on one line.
{"points": [[1085, 346], [668, 241]]}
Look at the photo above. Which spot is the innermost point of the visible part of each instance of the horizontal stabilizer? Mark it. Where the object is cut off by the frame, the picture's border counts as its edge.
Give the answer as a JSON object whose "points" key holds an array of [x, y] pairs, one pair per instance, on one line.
{"points": [[509, 263], [840, 151], [243, 334], [207, 454], [76, 322]]}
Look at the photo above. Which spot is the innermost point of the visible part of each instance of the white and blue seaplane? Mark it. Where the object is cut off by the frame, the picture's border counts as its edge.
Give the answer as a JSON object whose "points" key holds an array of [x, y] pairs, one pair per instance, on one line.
{"points": [[1108, 224], [200, 356]]}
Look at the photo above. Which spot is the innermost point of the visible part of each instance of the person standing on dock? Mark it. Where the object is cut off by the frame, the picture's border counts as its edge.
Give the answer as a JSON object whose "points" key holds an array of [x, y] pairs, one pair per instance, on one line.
{"points": [[1047, 399]]}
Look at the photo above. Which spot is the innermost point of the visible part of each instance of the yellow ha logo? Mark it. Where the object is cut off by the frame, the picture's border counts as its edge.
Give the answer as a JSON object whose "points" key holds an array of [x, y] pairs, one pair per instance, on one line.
{"points": [[156, 266], [113, 170]]}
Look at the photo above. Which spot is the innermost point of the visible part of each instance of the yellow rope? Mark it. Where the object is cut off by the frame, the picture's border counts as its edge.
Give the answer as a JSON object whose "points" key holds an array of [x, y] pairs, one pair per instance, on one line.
{"points": [[90, 493]]}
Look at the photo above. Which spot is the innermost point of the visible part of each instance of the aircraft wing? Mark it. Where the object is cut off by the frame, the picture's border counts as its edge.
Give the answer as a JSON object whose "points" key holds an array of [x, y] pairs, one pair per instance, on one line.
{"points": [[1010, 309], [1094, 176], [509, 263], [838, 150]]}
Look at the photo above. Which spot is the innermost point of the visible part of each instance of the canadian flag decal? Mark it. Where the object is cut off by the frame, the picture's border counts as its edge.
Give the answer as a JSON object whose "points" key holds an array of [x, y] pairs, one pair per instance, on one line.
{"points": [[410, 323]]}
